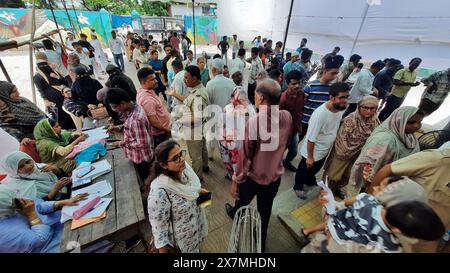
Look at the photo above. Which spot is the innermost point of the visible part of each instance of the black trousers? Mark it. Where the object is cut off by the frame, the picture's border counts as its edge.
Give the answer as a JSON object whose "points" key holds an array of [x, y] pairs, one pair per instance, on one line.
{"points": [[251, 92], [143, 170], [265, 195], [307, 176], [160, 139]]}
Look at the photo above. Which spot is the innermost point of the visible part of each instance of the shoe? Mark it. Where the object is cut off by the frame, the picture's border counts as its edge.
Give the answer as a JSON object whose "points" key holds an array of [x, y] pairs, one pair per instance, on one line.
{"points": [[289, 166], [304, 239], [206, 169], [229, 210], [132, 243], [300, 194]]}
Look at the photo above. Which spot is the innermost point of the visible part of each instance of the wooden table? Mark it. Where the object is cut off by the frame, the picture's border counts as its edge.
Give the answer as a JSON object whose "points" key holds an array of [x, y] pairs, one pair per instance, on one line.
{"points": [[124, 214]]}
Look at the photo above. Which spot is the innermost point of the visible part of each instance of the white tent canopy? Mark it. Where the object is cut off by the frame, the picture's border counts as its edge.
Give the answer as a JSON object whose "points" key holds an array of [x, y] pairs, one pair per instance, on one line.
{"points": [[391, 28]]}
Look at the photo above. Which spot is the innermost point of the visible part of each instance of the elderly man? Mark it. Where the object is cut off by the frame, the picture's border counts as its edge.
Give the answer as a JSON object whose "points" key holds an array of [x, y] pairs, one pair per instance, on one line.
{"points": [[259, 167], [219, 91]]}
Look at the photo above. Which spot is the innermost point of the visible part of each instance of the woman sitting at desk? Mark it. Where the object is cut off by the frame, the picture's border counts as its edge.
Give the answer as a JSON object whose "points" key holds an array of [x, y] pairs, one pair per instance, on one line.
{"points": [[176, 219], [30, 227], [54, 145], [29, 182]]}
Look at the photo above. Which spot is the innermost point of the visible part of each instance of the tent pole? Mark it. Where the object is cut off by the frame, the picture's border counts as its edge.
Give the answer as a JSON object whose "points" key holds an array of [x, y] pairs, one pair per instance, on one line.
{"points": [[68, 16], [4, 71], [33, 29], [76, 16], [287, 31], [360, 28], [193, 24], [56, 23]]}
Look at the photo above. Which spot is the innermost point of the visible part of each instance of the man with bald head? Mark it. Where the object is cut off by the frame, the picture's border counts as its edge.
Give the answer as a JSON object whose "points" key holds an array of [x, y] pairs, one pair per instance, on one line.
{"points": [[219, 91], [259, 168]]}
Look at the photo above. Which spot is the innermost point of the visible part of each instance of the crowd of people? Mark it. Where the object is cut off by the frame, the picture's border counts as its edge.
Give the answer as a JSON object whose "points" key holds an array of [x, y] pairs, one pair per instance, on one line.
{"points": [[350, 120]]}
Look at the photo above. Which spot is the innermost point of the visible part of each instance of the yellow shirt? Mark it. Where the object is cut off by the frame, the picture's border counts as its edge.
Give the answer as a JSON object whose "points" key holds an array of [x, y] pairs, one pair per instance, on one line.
{"points": [[404, 75]]}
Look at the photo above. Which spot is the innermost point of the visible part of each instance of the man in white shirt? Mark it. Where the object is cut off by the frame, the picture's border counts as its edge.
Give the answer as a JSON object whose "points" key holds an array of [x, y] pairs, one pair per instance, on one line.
{"points": [[118, 50], [219, 92], [255, 67], [53, 52], [235, 46], [257, 42], [363, 86], [239, 62], [319, 139], [140, 57], [189, 59], [83, 55], [69, 40], [178, 81]]}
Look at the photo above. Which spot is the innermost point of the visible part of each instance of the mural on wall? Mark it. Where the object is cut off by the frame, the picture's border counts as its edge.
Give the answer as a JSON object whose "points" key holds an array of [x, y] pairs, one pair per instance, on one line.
{"points": [[205, 29], [17, 22]]}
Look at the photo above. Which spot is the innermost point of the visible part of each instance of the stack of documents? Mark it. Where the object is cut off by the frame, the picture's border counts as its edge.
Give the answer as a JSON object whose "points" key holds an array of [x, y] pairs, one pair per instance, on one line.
{"points": [[100, 168], [96, 134], [101, 188]]}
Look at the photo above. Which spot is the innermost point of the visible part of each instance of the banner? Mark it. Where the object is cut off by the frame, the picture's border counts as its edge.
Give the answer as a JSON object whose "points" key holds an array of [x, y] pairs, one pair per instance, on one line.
{"points": [[205, 29], [17, 22]]}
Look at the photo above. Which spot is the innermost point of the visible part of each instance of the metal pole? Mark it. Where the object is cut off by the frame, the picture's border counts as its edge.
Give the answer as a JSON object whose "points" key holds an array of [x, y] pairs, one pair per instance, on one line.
{"points": [[287, 31], [366, 10], [4, 71], [33, 29], [193, 24], [68, 16], [76, 16], [56, 23]]}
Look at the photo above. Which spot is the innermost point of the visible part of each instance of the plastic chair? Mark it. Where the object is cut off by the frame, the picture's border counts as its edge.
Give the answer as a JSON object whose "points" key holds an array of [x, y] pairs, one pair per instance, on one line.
{"points": [[77, 120], [434, 139]]}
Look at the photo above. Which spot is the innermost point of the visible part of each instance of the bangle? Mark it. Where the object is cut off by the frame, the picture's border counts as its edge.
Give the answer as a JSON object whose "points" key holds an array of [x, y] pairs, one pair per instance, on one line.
{"points": [[36, 221]]}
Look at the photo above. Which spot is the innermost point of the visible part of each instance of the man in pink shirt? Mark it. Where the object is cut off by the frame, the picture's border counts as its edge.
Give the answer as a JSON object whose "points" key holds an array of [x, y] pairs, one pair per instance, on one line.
{"points": [[175, 42], [156, 113], [259, 167]]}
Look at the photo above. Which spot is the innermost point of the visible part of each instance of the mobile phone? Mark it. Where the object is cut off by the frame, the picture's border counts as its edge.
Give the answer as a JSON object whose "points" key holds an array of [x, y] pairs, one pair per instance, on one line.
{"points": [[202, 198], [85, 171]]}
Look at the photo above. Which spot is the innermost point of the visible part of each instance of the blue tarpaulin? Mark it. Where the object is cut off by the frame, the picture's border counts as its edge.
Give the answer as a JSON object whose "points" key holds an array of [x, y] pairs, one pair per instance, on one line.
{"points": [[119, 20]]}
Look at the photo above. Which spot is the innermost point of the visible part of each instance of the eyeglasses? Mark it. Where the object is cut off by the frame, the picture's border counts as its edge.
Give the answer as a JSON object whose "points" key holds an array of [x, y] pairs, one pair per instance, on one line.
{"points": [[178, 157], [369, 108]]}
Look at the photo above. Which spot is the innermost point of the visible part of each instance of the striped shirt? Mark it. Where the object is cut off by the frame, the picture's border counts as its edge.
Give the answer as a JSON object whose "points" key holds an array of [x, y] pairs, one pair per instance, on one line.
{"points": [[137, 143], [316, 94]]}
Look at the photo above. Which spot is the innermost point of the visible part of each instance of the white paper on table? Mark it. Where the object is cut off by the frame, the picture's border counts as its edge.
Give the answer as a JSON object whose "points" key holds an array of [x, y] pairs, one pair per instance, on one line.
{"points": [[80, 182], [96, 134], [331, 204], [41, 165], [100, 168], [100, 207], [101, 188]]}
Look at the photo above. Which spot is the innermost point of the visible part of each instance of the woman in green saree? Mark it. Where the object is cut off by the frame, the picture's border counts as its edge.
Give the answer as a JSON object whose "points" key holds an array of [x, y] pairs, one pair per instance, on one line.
{"points": [[54, 145]]}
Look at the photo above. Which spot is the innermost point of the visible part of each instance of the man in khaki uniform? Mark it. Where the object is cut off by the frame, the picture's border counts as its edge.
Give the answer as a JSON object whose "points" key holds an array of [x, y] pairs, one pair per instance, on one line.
{"points": [[431, 169], [197, 99]]}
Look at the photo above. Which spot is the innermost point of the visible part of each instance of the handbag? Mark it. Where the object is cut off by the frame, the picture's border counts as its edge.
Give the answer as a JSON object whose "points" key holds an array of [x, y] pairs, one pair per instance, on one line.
{"points": [[98, 113], [175, 248]]}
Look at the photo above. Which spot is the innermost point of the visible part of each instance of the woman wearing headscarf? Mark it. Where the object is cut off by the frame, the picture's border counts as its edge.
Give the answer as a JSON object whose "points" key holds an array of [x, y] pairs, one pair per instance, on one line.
{"points": [[351, 137], [18, 115], [235, 116], [392, 140], [176, 219], [27, 181], [28, 226], [85, 88], [51, 86], [54, 145]]}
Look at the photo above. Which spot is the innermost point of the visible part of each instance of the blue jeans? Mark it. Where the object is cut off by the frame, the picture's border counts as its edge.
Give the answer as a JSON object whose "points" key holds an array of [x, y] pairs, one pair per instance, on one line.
{"points": [[119, 58], [392, 103], [292, 149]]}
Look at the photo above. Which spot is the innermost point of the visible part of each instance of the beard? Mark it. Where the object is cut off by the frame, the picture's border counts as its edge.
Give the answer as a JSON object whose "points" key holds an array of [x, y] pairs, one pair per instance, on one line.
{"points": [[339, 107]]}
